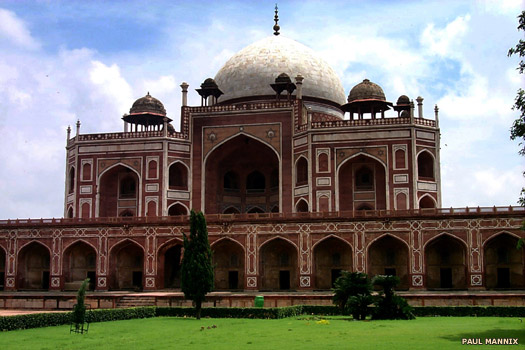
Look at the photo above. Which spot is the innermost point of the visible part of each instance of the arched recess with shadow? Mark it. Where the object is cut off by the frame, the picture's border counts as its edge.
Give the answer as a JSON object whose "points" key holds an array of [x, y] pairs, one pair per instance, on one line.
{"points": [[169, 264], [241, 172], [278, 265], [126, 264], [2, 268], [178, 176], [425, 166], [427, 202], [228, 258], [362, 184], [301, 206], [504, 267], [33, 267], [79, 262], [119, 192], [388, 255], [331, 256], [177, 209], [446, 266]]}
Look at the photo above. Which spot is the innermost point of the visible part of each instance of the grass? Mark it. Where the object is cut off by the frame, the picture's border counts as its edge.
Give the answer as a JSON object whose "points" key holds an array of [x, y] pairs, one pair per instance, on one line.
{"points": [[290, 333]]}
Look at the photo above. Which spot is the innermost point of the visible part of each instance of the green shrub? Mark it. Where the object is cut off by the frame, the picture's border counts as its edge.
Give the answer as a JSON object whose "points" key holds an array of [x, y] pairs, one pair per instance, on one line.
{"points": [[389, 306], [485, 311], [224, 312]]}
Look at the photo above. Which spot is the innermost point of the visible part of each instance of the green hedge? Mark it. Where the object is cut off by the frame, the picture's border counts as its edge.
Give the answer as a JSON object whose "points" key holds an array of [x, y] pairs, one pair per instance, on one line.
{"points": [[8, 323], [497, 311]]}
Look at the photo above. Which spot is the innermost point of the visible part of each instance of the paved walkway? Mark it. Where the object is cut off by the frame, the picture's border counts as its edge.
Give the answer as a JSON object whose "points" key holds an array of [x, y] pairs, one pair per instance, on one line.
{"points": [[13, 312]]}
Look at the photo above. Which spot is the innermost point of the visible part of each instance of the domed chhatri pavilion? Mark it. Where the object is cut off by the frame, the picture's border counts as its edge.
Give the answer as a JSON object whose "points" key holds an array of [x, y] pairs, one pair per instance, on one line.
{"points": [[298, 182]]}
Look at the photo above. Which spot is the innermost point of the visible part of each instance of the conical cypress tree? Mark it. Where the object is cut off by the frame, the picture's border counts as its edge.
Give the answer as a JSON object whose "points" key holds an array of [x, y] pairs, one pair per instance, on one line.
{"points": [[197, 267]]}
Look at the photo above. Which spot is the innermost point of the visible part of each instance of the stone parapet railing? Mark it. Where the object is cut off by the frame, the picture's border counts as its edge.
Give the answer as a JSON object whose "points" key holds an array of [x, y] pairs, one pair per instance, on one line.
{"points": [[261, 217]]}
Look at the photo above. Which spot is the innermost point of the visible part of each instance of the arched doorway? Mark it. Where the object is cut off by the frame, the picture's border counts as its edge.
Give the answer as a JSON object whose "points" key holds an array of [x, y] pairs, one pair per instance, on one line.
{"points": [[33, 267], [79, 263], [126, 266], [119, 192], [278, 265], [241, 173], [362, 184], [331, 256], [170, 258], [425, 166], [504, 266], [177, 209], [2, 269], [389, 256], [427, 202], [228, 257], [446, 264]]}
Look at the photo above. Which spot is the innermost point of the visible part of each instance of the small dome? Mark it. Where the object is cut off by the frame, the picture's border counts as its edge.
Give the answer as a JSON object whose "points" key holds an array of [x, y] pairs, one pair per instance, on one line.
{"points": [[403, 100], [366, 91], [148, 104], [209, 83]]}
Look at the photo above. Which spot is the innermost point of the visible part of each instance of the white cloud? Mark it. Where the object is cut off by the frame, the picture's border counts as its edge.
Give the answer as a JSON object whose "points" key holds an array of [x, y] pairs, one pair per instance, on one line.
{"points": [[14, 30], [445, 42]]}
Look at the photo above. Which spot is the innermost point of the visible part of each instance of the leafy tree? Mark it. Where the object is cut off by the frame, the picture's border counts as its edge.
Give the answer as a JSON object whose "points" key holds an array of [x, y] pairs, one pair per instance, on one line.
{"points": [[352, 293], [197, 268], [517, 131], [389, 306]]}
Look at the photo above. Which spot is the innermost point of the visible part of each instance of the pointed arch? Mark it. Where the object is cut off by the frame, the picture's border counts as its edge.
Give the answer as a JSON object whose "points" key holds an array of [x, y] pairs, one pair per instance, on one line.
{"points": [[504, 265], [301, 206], [301, 171], [33, 266], [446, 262], [79, 261], [3, 263], [178, 175], [344, 188], [427, 201], [106, 203], [178, 208], [331, 256], [389, 255], [126, 261], [426, 168], [228, 258], [169, 259], [278, 264], [231, 210]]}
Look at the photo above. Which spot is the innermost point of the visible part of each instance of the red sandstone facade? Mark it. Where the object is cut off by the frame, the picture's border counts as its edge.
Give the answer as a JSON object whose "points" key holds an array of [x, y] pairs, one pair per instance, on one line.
{"points": [[293, 194]]}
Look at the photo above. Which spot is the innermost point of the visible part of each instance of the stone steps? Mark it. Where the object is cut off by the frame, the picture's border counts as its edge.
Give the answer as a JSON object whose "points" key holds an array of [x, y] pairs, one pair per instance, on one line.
{"points": [[135, 301]]}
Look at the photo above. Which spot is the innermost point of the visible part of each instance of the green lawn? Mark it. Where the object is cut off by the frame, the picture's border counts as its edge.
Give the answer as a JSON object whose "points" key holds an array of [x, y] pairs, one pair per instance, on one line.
{"points": [[441, 333]]}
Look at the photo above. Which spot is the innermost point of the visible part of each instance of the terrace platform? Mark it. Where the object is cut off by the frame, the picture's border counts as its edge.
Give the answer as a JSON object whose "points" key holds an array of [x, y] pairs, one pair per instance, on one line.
{"points": [[56, 301]]}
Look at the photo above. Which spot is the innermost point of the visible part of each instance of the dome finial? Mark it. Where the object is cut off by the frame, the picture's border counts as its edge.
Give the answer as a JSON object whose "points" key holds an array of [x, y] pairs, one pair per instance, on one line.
{"points": [[276, 19]]}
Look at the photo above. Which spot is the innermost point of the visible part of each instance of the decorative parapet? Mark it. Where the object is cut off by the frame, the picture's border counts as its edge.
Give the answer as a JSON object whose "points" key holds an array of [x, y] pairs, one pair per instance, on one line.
{"points": [[126, 135], [369, 122], [430, 213], [241, 107]]}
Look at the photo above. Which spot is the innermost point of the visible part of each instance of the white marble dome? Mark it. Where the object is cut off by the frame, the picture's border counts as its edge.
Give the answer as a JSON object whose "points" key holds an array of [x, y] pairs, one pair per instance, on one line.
{"points": [[251, 71]]}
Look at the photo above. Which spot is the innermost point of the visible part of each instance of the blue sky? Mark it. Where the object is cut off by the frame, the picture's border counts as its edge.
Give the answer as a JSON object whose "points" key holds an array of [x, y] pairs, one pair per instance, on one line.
{"points": [[66, 60]]}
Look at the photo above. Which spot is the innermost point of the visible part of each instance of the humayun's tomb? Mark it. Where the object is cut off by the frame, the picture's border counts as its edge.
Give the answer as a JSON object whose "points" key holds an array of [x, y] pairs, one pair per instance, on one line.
{"points": [[297, 179]]}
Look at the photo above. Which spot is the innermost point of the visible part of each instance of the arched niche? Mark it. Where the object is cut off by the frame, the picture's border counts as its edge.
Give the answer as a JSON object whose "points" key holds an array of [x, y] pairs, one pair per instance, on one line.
{"points": [[126, 264], [331, 256], [301, 206], [425, 166], [389, 256], [446, 266], [228, 258], [504, 267], [177, 209], [278, 265], [362, 184], [169, 265], [178, 177], [301, 172], [33, 267], [119, 192], [79, 262], [2, 268], [427, 202], [241, 173]]}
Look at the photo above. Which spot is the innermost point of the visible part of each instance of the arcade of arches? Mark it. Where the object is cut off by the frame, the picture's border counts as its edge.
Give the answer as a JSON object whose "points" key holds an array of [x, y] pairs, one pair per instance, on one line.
{"points": [[279, 263], [242, 176]]}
